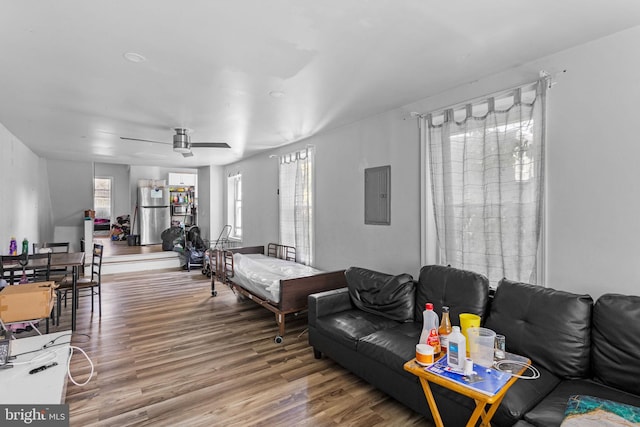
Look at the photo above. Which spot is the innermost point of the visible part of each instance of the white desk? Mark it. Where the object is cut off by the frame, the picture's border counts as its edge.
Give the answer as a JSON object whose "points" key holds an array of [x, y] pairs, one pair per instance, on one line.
{"points": [[45, 387]]}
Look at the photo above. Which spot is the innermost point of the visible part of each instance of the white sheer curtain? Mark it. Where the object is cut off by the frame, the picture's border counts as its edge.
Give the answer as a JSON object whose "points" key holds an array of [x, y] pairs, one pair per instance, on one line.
{"points": [[486, 163], [296, 203]]}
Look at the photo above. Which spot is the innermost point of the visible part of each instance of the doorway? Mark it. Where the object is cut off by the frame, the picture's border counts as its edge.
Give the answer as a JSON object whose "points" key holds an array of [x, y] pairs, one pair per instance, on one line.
{"points": [[103, 205]]}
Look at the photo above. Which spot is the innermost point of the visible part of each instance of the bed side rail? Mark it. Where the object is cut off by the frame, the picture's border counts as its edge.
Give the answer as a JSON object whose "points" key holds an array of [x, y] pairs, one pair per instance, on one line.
{"points": [[247, 250], [287, 253], [227, 262], [227, 266]]}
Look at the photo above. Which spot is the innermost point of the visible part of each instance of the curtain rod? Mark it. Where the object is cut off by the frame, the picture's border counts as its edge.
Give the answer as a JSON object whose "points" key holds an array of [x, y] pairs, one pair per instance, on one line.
{"points": [[544, 75]]}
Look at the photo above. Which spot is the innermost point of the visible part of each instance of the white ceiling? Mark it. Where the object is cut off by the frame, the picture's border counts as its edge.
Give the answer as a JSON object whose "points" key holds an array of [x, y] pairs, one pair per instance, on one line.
{"points": [[67, 91]]}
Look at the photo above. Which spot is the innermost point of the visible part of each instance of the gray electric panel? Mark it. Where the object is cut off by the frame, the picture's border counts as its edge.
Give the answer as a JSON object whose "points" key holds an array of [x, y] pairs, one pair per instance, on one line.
{"points": [[377, 195]]}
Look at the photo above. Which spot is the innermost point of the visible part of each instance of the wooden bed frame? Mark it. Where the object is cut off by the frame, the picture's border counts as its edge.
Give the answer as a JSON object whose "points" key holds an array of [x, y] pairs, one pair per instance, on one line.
{"points": [[294, 293]]}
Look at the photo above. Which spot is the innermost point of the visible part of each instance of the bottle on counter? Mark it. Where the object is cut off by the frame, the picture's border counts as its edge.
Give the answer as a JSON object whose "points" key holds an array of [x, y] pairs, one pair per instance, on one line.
{"points": [[25, 246], [457, 349], [13, 246], [430, 325], [445, 329]]}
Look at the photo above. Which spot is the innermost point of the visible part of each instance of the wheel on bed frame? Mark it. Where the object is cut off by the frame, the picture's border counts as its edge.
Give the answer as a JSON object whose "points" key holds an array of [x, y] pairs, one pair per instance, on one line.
{"points": [[278, 339]]}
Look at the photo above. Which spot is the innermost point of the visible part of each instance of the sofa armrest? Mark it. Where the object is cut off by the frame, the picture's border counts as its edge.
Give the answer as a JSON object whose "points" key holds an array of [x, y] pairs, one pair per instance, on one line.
{"points": [[325, 303]]}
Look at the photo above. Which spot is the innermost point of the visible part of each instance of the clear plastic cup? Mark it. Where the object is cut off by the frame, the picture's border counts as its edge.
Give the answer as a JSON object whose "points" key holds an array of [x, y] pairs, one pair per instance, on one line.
{"points": [[481, 343]]}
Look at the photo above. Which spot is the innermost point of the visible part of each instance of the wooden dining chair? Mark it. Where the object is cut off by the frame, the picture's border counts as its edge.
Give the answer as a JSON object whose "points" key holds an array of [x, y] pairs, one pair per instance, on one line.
{"points": [[86, 286], [5, 273], [51, 247], [13, 266], [10, 268], [56, 274], [40, 273]]}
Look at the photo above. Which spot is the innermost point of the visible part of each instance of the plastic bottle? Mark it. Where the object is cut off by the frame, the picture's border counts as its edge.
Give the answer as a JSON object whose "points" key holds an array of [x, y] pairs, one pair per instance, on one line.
{"points": [[25, 246], [457, 349], [430, 325], [445, 329], [13, 246]]}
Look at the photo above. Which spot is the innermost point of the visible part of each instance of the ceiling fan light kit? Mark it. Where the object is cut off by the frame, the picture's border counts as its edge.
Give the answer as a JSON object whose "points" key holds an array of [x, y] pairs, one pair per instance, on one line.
{"points": [[182, 142]]}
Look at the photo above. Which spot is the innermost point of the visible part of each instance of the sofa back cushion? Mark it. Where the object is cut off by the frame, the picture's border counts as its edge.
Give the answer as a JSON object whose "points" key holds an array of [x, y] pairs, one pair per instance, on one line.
{"points": [[550, 327], [461, 290], [383, 294], [615, 338]]}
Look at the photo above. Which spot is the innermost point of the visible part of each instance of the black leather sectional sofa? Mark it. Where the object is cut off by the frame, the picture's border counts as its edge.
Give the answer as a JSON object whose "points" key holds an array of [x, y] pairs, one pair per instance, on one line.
{"points": [[580, 348]]}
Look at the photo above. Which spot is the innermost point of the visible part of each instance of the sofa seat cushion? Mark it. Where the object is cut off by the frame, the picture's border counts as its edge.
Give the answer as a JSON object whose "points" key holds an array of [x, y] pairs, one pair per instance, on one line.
{"points": [[550, 327], [615, 341], [347, 327], [392, 347], [383, 294], [550, 411], [524, 395]]}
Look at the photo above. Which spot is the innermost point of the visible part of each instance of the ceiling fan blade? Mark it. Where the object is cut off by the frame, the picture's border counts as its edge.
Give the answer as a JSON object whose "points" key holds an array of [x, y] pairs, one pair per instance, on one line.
{"points": [[189, 154], [145, 140], [210, 144]]}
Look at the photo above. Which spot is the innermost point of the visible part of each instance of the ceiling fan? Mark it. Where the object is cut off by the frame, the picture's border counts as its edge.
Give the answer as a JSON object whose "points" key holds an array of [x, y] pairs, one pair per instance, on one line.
{"points": [[182, 142]]}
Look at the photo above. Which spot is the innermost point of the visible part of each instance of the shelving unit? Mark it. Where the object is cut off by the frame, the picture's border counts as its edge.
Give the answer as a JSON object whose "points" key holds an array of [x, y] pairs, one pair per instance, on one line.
{"points": [[183, 205]]}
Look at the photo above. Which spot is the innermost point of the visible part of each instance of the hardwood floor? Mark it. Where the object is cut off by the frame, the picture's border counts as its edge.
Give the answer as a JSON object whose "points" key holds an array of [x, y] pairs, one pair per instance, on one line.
{"points": [[166, 353]]}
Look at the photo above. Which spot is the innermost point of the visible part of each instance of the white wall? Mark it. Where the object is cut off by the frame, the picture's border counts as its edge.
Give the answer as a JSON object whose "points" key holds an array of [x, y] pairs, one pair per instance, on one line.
{"points": [[71, 189], [210, 201], [259, 199], [204, 201], [593, 202], [594, 177], [342, 238], [25, 209]]}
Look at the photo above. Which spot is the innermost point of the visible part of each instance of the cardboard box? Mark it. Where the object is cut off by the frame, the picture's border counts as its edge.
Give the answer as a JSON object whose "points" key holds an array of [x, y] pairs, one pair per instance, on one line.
{"points": [[27, 302]]}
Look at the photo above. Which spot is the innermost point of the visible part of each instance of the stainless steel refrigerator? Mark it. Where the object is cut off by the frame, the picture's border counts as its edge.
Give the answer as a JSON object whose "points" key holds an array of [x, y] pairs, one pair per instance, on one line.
{"points": [[154, 213]]}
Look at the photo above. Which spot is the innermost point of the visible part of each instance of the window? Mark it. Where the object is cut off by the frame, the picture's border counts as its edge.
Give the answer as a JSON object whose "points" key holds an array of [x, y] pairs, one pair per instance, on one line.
{"points": [[485, 183], [296, 203], [102, 198], [234, 205]]}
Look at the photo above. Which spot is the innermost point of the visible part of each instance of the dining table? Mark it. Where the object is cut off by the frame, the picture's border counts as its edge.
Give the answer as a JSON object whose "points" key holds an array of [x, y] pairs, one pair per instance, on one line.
{"points": [[73, 260]]}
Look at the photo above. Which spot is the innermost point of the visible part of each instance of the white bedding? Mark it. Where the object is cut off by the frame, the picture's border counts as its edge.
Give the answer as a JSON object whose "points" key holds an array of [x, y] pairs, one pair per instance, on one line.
{"points": [[261, 274]]}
